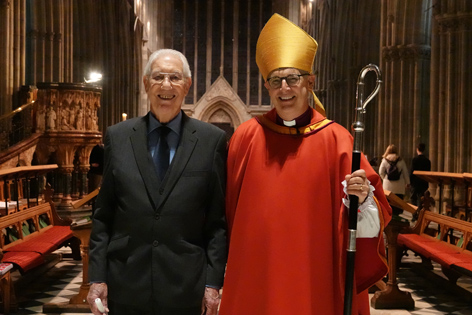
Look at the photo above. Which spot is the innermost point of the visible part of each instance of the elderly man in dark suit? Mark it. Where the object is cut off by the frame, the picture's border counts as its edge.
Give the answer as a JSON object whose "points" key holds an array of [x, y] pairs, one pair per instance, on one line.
{"points": [[158, 242]]}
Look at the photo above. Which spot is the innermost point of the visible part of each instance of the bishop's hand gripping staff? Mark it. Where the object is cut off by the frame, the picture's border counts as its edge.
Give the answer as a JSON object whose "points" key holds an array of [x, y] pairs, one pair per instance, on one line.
{"points": [[358, 129]]}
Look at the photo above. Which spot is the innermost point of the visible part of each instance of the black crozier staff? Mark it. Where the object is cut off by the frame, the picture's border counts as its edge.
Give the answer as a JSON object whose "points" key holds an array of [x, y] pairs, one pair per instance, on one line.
{"points": [[358, 129]]}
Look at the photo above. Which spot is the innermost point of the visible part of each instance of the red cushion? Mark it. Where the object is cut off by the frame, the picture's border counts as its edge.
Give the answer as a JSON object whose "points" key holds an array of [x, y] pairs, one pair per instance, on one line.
{"points": [[24, 260], [33, 245], [430, 247], [441, 252], [56, 235], [29, 254], [446, 259], [44, 243], [404, 239], [464, 256], [415, 243]]}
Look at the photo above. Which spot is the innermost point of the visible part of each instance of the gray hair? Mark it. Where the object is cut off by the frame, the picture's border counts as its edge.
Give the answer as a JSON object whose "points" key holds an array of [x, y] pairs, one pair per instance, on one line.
{"points": [[186, 68]]}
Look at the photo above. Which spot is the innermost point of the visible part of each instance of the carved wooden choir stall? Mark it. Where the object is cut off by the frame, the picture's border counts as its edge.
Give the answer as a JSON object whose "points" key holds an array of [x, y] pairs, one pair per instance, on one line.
{"points": [[442, 234]]}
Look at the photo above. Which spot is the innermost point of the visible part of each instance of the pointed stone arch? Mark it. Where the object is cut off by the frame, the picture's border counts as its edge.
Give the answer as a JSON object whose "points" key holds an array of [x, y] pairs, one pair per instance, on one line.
{"points": [[221, 104]]}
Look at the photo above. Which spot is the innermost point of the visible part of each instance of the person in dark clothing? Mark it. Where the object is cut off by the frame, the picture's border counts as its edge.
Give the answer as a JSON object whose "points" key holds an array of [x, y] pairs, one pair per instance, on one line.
{"points": [[418, 185], [96, 167]]}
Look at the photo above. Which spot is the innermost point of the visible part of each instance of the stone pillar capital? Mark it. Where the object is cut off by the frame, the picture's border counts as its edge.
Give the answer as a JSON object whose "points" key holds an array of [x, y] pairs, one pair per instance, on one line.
{"points": [[84, 168], [66, 169], [65, 155], [406, 52]]}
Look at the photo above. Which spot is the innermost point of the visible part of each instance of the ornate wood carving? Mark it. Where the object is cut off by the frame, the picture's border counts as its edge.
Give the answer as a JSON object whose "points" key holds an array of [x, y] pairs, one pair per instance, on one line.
{"points": [[66, 115]]}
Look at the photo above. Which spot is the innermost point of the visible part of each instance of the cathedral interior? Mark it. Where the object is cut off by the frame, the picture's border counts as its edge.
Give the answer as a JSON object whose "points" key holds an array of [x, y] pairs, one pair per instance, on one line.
{"points": [[420, 46], [52, 112]]}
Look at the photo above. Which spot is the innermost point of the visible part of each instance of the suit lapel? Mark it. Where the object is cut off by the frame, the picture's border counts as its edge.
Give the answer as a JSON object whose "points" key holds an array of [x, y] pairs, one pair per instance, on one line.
{"points": [[144, 161], [187, 143]]}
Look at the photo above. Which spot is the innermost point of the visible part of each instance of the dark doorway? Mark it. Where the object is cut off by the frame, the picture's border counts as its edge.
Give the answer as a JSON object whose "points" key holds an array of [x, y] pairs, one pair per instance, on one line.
{"points": [[226, 127]]}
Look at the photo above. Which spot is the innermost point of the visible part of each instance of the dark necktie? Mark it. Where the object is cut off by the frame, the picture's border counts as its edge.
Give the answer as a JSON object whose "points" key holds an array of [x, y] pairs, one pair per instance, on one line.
{"points": [[161, 159]]}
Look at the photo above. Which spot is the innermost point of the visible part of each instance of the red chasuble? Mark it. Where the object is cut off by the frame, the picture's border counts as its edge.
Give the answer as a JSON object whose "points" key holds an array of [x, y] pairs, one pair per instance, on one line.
{"points": [[287, 223]]}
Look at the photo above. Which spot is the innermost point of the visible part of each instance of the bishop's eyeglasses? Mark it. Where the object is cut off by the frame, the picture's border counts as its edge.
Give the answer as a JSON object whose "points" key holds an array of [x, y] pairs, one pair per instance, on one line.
{"points": [[291, 79]]}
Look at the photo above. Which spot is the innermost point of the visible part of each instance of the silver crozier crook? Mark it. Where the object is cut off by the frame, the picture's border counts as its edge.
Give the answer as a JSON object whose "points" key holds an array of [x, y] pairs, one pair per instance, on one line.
{"points": [[358, 128]]}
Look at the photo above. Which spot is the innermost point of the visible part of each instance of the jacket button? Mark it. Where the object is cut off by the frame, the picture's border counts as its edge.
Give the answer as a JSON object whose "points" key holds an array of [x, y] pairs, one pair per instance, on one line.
{"points": [[157, 216], [161, 191], [155, 243]]}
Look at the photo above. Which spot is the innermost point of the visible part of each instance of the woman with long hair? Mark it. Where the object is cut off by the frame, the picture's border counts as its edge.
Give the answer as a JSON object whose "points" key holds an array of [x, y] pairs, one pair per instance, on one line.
{"points": [[394, 174]]}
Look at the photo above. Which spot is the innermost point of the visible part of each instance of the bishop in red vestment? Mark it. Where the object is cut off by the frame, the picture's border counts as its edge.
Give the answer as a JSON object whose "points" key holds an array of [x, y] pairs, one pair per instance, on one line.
{"points": [[285, 188]]}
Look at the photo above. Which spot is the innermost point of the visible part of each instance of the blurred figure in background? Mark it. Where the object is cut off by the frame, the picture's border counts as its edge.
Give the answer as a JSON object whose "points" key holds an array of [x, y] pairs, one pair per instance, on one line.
{"points": [[419, 163], [394, 173]]}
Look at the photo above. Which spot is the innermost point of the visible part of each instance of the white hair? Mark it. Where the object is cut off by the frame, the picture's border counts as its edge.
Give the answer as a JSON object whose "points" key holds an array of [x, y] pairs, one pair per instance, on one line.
{"points": [[186, 68]]}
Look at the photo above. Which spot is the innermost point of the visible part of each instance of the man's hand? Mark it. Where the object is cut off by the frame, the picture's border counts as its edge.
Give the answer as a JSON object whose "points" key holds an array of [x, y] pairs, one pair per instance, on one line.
{"points": [[98, 290], [356, 184], [210, 302]]}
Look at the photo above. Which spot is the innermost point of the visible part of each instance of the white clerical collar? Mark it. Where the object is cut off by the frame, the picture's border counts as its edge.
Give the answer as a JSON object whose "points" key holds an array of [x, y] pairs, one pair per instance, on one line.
{"points": [[290, 123]]}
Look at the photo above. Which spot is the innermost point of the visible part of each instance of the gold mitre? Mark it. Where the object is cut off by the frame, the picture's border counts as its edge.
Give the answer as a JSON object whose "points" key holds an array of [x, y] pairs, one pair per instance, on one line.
{"points": [[282, 44]]}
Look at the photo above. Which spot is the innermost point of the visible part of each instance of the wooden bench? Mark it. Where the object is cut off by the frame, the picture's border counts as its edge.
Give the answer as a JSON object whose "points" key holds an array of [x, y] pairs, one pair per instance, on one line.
{"points": [[452, 251], [34, 233], [443, 239]]}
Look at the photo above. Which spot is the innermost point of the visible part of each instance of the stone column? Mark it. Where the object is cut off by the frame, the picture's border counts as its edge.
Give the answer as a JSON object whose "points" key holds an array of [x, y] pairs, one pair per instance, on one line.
{"points": [[75, 183], [83, 181], [450, 108], [65, 156], [84, 167], [5, 98], [66, 172], [405, 63]]}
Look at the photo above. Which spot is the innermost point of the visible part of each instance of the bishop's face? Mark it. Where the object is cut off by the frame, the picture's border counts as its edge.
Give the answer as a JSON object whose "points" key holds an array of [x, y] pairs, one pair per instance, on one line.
{"points": [[166, 87], [289, 89]]}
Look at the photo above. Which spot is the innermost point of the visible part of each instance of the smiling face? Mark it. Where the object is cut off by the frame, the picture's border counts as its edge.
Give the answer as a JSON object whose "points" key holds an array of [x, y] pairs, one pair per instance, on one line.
{"points": [[290, 101], [165, 91]]}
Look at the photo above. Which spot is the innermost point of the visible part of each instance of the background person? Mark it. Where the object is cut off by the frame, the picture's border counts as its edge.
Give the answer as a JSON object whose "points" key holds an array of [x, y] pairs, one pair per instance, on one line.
{"points": [[396, 186], [96, 167], [419, 163], [158, 242]]}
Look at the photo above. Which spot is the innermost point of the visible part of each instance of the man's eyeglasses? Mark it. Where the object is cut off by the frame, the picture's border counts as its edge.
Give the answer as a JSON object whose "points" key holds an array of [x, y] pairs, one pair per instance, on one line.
{"points": [[174, 78], [291, 79]]}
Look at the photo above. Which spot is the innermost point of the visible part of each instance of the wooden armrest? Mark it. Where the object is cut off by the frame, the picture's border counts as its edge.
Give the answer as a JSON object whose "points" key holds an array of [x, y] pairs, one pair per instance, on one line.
{"points": [[78, 203], [398, 202]]}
